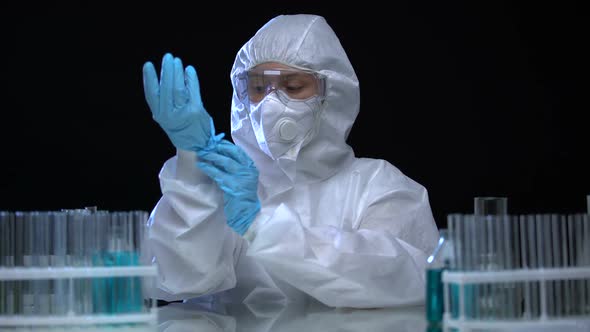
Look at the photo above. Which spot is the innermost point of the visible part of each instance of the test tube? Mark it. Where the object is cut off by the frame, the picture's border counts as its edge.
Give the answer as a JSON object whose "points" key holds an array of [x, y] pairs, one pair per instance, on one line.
{"points": [[89, 243], [140, 219], [564, 233], [6, 261], [99, 258], [500, 290], [557, 262], [579, 245], [452, 229], [41, 288], [490, 205], [511, 252], [475, 239], [130, 287], [488, 263], [586, 260], [534, 263], [60, 304], [548, 259], [24, 218], [139, 284], [515, 263], [18, 245], [542, 259], [455, 227], [571, 284], [487, 209], [80, 287], [4, 243], [525, 264], [518, 264]]}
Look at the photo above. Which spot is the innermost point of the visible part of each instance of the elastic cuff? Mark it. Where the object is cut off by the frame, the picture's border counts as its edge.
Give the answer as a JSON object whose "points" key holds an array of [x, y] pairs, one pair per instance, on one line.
{"points": [[243, 224]]}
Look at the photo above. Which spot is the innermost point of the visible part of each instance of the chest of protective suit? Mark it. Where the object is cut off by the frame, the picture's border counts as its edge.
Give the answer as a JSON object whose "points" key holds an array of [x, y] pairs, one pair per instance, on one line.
{"points": [[332, 202]]}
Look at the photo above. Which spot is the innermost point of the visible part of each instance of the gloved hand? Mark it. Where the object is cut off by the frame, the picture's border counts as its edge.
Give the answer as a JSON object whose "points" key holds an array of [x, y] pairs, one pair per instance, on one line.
{"points": [[235, 173], [176, 105]]}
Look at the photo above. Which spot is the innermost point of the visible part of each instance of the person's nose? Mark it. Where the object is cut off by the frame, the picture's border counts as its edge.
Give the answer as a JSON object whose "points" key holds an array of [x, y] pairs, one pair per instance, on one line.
{"points": [[271, 87]]}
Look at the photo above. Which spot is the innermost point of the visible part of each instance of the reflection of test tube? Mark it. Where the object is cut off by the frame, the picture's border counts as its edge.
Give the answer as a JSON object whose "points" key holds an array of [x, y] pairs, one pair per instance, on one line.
{"points": [[588, 204]]}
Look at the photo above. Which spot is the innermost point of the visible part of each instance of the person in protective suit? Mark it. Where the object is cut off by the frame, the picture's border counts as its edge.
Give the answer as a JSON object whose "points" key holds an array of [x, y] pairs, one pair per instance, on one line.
{"points": [[286, 209]]}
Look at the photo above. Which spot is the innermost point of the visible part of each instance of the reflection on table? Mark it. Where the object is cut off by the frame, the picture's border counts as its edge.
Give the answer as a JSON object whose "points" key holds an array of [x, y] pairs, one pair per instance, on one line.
{"points": [[211, 315]]}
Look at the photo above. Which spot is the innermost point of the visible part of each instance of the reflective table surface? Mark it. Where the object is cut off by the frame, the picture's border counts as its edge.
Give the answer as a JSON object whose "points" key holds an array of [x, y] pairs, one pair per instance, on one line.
{"points": [[296, 317]]}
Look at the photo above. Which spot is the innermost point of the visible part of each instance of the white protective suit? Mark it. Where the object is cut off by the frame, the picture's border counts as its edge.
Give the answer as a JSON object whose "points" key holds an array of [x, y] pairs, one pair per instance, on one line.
{"points": [[350, 232]]}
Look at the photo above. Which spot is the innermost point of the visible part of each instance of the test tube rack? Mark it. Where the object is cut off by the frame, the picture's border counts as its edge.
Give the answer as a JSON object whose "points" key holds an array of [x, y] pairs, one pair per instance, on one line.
{"points": [[75, 269], [518, 273]]}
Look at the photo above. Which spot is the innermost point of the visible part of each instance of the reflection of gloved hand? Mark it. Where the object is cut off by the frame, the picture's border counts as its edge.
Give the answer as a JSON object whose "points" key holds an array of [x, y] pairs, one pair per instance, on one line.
{"points": [[176, 105], [237, 176]]}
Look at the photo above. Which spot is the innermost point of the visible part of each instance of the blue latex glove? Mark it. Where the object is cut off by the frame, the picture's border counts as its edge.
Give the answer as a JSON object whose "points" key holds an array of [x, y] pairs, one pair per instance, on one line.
{"points": [[176, 105], [235, 173]]}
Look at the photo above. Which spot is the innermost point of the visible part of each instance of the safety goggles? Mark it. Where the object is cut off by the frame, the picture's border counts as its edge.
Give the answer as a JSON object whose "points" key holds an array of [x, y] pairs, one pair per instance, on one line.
{"points": [[290, 85]]}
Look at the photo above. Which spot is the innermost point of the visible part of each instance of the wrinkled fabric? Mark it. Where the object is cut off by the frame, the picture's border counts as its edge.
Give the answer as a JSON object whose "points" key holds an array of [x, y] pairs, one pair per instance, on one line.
{"points": [[348, 231]]}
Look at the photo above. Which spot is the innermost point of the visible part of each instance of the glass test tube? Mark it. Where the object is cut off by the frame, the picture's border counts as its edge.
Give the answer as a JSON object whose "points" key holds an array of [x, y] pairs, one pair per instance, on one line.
{"points": [[490, 205], [60, 304], [487, 210], [7, 290], [40, 258]]}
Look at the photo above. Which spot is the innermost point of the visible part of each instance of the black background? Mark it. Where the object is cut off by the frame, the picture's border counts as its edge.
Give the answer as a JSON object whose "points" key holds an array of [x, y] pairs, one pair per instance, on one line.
{"points": [[467, 99]]}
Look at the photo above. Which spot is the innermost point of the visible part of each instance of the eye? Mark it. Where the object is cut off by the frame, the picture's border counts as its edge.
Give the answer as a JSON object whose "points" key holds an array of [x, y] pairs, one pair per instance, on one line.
{"points": [[258, 89], [294, 88], [294, 84], [256, 85]]}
